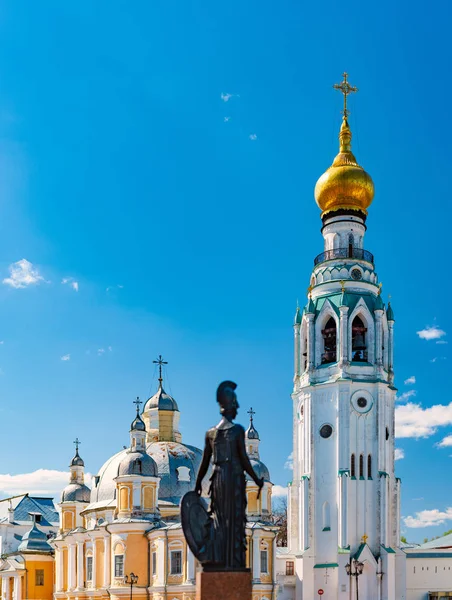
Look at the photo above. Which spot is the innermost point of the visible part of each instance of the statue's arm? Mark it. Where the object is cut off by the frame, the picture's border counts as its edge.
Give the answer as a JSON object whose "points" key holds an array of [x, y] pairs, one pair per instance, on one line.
{"points": [[204, 465], [245, 461]]}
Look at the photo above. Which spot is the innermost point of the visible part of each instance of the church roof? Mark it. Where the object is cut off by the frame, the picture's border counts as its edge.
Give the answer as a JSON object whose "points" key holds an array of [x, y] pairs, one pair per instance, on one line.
{"points": [[25, 504], [35, 540], [443, 542]]}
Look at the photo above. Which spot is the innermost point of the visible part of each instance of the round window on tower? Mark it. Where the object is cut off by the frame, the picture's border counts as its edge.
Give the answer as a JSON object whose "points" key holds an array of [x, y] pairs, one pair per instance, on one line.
{"points": [[362, 401], [356, 274], [326, 431]]}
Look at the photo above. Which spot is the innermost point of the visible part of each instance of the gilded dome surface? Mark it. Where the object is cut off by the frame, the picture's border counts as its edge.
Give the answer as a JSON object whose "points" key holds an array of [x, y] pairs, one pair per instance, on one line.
{"points": [[345, 185]]}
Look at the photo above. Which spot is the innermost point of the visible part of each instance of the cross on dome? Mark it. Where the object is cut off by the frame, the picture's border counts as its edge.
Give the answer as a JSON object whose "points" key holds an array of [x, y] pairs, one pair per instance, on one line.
{"points": [[137, 402], [251, 413], [346, 89], [160, 362], [77, 443]]}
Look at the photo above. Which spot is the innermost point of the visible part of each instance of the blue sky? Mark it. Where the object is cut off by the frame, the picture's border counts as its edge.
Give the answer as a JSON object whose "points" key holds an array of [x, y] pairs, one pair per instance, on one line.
{"points": [[193, 236]]}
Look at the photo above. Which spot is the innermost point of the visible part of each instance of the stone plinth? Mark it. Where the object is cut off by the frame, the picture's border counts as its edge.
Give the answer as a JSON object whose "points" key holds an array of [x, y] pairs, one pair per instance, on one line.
{"points": [[224, 585]]}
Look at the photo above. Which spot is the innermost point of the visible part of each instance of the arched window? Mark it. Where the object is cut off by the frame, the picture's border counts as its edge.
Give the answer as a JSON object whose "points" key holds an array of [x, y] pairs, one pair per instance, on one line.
{"points": [[353, 466], [351, 243], [361, 466], [304, 349], [329, 342], [369, 466], [359, 347]]}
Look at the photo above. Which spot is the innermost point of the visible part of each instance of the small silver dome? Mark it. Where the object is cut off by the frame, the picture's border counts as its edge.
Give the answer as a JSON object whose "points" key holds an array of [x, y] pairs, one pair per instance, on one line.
{"points": [[77, 461], [162, 401], [137, 463], [251, 433], [260, 469], [138, 424], [76, 492]]}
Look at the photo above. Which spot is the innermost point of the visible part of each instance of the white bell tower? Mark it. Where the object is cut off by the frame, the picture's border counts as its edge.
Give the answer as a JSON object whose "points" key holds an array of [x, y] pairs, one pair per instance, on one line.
{"points": [[344, 500]]}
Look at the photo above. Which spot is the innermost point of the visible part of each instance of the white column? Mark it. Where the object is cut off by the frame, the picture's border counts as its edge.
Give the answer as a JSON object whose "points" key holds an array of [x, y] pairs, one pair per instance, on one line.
{"points": [[94, 580], [343, 321], [6, 587], [311, 340], [107, 562], [191, 576], [296, 330], [391, 350], [397, 515], [256, 558], [305, 513], [383, 508], [378, 338], [71, 567], [80, 566], [17, 592], [60, 571], [161, 554], [343, 516]]}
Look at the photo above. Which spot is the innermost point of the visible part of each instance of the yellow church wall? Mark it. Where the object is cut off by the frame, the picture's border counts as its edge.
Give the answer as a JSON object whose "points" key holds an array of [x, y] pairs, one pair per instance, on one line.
{"points": [[125, 494], [149, 497], [100, 563], [68, 519], [166, 425], [39, 592], [136, 557], [252, 501]]}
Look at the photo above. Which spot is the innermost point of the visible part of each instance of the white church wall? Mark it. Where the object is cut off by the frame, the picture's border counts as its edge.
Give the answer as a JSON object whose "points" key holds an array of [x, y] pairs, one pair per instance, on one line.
{"points": [[428, 574]]}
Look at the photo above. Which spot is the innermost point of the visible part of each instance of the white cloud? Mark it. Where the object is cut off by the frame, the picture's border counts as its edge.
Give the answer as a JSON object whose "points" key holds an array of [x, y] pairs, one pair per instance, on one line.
{"points": [[227, 119], [110, 288], [289, 462], [413, 421], [406, 396], [410, 381], [2, 342], [278, 491], [101, 351], [22, 274], [43, 481], [442, 342], [431, 333], [437, 358], [399, 453], [70, 281], [445, 442], [253, 137], [427, 518], [227, 97], [66, 357], [110, 349]]}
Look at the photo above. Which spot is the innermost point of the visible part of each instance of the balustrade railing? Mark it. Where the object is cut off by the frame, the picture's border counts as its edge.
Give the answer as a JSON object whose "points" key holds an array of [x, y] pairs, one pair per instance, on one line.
{"points": [[358, 253]]}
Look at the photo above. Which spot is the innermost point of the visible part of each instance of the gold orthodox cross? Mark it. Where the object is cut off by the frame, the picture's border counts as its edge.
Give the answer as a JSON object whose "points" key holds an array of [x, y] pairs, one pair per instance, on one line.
{"points": [[364, 539], [346, 89]]}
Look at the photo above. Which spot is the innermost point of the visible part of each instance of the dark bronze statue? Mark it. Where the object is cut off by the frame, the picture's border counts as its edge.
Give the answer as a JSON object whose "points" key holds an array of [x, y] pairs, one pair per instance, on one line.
{"points": [[216, 535]]}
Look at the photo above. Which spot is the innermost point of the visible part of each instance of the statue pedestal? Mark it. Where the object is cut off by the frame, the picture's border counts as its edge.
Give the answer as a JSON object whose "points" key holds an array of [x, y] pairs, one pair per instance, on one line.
{"points": [[227, 585]]}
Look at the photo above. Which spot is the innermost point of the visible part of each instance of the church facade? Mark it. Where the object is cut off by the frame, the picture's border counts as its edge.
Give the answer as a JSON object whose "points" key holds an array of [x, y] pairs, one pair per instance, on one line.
{"points": [[123, 537]]}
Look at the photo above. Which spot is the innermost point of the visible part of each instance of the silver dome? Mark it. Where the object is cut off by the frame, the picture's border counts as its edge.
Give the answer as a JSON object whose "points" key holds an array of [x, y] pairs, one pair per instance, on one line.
{"points": [[104, 486], [76, 492], [77, 461], [137, 463], [162, 401], [251, 433], [170, 456], [34, 540], [138, 424], [260, 469]]}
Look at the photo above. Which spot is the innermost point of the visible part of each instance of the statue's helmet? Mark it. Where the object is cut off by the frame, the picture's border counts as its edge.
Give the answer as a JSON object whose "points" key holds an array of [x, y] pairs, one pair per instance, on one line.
{"points": [[226, 396]]}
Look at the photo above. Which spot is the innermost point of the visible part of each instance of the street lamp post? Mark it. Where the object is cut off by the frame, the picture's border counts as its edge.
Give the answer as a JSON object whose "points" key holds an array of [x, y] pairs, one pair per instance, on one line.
{"points": [[356, 572], [132, 580]]}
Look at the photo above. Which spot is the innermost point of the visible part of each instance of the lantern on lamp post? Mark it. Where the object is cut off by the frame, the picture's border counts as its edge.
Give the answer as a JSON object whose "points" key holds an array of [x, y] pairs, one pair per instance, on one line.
{"points": [[355, 568], [131, 580]]}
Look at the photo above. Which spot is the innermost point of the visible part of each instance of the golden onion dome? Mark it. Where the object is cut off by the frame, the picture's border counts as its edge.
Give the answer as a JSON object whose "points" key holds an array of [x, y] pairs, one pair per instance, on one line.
{"points": [[345, 185]]}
